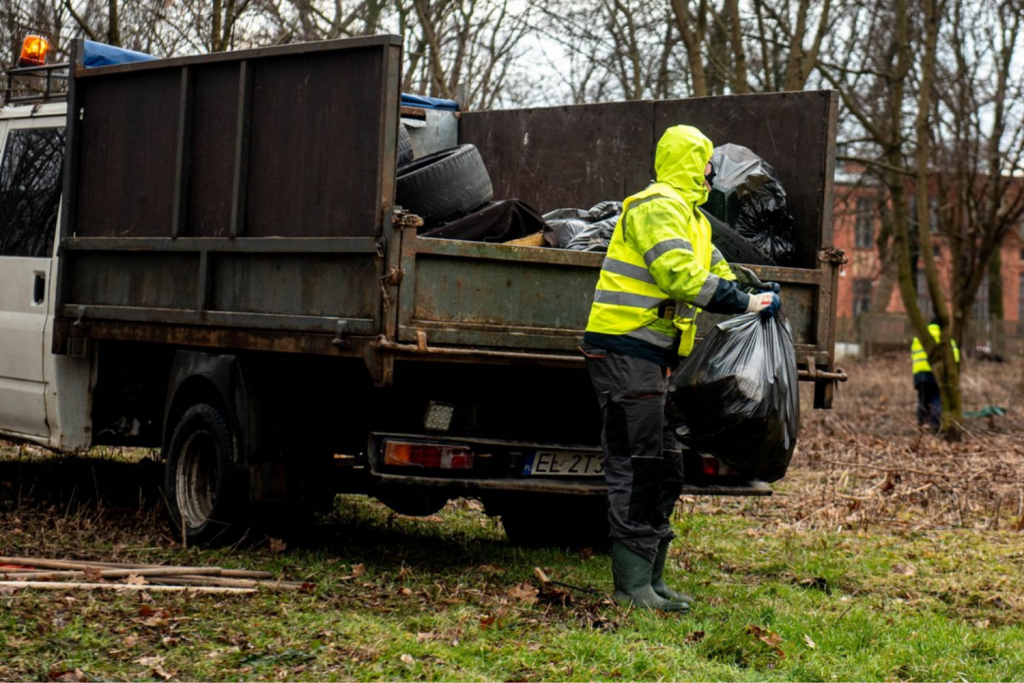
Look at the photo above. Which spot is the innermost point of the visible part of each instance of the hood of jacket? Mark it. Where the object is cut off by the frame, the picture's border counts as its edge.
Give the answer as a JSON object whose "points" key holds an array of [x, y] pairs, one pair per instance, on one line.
{"points": [[683, 153]]}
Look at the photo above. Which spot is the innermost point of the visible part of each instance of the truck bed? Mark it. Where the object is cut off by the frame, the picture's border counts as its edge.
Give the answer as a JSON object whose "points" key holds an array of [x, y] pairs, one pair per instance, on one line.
{"points": [[266, 220]]}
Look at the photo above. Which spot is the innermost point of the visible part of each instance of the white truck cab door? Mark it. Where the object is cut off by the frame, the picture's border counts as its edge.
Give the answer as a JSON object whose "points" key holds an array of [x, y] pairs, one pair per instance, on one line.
{"points": [[31, 160]]}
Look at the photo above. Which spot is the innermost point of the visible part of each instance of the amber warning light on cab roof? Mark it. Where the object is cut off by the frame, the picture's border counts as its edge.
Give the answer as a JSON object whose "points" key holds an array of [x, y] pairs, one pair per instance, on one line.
{"points": [[33, 51]]}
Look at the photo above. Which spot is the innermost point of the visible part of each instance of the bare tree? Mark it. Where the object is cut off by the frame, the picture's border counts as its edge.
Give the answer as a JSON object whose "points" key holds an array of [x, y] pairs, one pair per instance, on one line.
{"points": [[940, 113], [463, 49], [775, 43]]}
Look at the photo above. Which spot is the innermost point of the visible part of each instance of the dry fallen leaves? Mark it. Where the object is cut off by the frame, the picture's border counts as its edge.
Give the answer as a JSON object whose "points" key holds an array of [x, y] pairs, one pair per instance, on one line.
{"points": [[694, 637], [810, 643], [549, 592], [816, 583], [93, 574], [769, 638], [523, 592], [356, 571], [159, 671]]}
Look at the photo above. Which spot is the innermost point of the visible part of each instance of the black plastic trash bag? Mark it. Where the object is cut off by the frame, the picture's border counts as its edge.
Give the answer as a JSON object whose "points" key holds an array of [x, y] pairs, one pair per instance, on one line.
{"points": [[582, 229], [738, 395], [746, 194]]}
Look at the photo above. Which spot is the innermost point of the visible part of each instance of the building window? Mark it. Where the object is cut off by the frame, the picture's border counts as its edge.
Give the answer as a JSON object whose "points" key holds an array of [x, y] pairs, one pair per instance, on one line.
{"points": [[864, 234], [933, 214], [861, 296], [981, 300], [1020, 300]]}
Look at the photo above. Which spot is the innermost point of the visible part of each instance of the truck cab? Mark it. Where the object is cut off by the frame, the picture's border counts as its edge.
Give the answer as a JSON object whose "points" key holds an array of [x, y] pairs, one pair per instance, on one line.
{"points": [[32, 145]]}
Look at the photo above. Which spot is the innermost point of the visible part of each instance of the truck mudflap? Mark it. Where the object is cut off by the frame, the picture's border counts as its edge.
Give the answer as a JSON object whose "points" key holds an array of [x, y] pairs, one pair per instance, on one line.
{"points": [[471, 466]]}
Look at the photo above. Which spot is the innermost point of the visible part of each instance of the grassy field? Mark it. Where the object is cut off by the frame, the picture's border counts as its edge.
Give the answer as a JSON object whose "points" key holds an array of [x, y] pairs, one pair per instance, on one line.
{"points": [[885, 555]]}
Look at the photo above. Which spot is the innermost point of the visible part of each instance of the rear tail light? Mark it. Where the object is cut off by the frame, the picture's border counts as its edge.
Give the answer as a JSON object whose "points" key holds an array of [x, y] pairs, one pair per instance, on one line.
{"points": [[428, 455], [713, 467]]}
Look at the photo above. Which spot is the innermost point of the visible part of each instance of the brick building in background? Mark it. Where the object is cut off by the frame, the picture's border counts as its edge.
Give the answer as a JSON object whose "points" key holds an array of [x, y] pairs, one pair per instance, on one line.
{"points": [[869, 307]]}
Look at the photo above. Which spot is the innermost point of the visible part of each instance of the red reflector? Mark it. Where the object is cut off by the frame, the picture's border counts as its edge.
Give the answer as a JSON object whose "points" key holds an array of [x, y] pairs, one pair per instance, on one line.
{"points": [[709, 466], [427, 455]]}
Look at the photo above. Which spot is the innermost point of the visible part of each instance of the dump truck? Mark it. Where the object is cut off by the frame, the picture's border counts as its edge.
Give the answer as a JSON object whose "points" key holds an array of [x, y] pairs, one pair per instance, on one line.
{"points": [[204, 255]]}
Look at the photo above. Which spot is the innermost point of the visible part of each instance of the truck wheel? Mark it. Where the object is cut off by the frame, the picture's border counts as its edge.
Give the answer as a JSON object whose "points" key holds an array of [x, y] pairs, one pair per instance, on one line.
{"points": [[557, 521], [405, 152], [444, 185], [206, 494]]}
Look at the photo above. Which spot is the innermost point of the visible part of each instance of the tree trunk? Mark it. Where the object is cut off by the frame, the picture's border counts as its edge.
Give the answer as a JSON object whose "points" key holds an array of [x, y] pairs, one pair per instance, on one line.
{"points": [[114, 25], [215, 27], [694, 42]]}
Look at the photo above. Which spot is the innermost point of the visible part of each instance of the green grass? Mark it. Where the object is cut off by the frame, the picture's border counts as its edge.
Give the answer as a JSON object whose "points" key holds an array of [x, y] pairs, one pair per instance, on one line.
{"points": [[442, 599]]}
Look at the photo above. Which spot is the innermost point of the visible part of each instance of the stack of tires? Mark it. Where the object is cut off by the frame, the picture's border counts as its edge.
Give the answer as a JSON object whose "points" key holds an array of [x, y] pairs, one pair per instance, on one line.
{"points": [[442, 186]]}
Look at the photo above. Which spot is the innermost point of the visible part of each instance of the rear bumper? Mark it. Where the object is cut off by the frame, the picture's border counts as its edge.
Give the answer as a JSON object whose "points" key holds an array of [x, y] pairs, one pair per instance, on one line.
{"points": [[561, 486]]}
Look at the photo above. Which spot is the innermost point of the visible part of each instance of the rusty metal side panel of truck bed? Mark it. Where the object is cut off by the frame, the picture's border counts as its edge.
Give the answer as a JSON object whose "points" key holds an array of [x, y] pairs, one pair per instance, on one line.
{"points": [[235, 198], [476, 300]]}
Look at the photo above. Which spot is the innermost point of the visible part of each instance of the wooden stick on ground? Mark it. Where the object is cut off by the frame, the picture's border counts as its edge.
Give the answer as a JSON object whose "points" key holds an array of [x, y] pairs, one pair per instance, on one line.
{"points": [[41, 563], [114, 573], [220, 581], [68, 585]]}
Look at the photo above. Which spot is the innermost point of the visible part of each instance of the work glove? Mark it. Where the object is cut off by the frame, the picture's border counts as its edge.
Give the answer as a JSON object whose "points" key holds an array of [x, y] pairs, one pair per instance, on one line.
{"points": [[765, 303], [748, 281]]}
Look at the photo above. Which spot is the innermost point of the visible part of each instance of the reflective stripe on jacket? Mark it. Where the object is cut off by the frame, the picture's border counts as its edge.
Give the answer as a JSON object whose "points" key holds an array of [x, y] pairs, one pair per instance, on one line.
{"points": [[919, 357], [661, 266]]}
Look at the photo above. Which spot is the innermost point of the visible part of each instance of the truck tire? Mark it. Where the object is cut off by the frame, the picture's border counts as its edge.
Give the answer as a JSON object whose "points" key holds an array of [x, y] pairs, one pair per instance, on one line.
{"points": [[444, 185], [206, 493], [405, 152], [557, 521]]}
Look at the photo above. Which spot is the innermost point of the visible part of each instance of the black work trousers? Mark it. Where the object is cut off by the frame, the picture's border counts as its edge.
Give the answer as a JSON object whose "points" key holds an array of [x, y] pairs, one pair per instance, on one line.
{"points": [[929, 402], [643, 464]]}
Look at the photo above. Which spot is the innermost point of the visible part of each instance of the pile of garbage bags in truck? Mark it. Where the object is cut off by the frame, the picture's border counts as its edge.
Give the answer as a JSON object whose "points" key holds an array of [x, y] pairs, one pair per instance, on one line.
{"points": [[746, 207], [747, 210]]}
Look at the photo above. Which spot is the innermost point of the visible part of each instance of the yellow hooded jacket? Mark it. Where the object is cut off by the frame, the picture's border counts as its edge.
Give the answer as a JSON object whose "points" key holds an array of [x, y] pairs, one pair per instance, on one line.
{"points": [[661, 265], [919, 357]]}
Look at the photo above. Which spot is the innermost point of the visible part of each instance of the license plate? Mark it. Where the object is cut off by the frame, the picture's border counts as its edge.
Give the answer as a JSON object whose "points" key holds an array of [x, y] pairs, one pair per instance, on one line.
{"points": [[563, 464]]}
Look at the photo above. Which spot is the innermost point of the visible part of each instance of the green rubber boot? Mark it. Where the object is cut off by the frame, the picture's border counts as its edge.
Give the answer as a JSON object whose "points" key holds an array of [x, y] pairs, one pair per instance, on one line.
{"points": [[632, 575], [658, 582]]}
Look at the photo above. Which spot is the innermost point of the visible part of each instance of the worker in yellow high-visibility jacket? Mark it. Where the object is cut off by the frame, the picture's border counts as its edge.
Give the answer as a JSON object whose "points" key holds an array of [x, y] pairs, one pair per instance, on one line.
{"points": [[660, 268], [929, 403]]}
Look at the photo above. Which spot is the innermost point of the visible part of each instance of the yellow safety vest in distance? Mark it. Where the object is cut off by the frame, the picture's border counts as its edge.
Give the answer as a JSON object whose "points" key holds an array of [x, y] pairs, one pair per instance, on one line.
{"points": [[919, 357], [628, 301]]}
